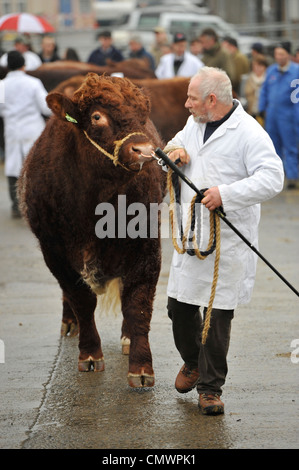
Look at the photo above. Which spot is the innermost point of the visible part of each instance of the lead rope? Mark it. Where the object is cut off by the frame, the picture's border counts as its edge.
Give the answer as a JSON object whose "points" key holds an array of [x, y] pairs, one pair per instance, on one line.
{"points": [[213, 244]]}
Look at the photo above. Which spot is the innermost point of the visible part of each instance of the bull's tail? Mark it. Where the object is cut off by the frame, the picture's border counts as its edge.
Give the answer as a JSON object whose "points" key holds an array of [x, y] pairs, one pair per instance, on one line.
{"points": [[108, 290], [109, 301]]}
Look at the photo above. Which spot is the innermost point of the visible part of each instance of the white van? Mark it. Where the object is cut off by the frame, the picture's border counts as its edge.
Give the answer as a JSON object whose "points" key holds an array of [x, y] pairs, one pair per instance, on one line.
{"points": [[176, 18]]}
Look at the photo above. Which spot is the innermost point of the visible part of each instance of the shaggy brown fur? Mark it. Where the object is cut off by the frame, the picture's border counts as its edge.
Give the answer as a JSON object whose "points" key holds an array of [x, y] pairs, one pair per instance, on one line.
{"points": [[64, 178]]}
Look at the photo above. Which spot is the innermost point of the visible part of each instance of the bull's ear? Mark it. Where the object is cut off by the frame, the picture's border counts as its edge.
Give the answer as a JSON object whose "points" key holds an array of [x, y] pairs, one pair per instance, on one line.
{"points": [[63, 107]]}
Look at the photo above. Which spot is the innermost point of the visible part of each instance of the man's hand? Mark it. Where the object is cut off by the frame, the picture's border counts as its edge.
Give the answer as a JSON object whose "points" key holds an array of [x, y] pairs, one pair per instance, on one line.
{"points": [[180, 154], [212, 198]]}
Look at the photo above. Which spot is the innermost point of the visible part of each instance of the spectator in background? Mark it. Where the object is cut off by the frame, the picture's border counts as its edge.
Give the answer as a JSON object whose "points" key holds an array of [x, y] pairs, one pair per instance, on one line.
{"points": [[158, 47], [49, 50], [196, 48], [281, 112], [213, 54], [179, 62], [257, 49], [22, 44], [240, 61], [137, 51], [105, 51], [71, 54], [22, 112], [296, 56], [253, 85]]}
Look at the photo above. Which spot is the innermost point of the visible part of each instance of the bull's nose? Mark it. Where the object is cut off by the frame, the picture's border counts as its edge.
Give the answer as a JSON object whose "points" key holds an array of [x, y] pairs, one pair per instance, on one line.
{"points": [[144, 152]]}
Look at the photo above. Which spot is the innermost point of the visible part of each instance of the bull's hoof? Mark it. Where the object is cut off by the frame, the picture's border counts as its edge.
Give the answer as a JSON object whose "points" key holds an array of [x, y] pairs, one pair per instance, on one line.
{"points": [[141, 380], [125, 345], [86, 365], [69, 329]]}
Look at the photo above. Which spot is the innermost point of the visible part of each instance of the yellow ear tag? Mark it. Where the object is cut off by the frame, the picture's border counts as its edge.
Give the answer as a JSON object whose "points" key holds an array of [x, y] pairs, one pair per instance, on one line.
{"points": [[70, 119]]}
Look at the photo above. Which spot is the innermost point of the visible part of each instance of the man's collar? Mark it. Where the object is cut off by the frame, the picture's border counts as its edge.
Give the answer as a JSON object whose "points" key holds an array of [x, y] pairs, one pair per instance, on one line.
{"points": [[225, 118]]}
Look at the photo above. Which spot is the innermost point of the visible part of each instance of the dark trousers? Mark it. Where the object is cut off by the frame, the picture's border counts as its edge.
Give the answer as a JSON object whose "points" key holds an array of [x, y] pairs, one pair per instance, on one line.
{"points": [[12, 188], [210, 358]]}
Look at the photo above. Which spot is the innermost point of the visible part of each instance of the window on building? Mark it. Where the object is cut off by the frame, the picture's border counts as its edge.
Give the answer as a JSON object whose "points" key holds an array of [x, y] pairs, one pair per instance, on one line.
{"points": [[22, 6], [5, 7], [65, 7], [84, 6]]}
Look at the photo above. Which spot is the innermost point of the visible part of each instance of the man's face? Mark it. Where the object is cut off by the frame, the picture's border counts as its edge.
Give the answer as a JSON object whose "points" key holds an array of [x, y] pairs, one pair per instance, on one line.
{"points": [[105, 42], [198, 107], [281, 56], [19, 46], [179, 47], [207, 42]]}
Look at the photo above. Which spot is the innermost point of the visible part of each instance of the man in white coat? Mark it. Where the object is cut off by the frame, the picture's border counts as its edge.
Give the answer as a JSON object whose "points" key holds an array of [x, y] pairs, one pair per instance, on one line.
{"points": [[22, 45], [22, 110], [180, 62], [224, 149]]}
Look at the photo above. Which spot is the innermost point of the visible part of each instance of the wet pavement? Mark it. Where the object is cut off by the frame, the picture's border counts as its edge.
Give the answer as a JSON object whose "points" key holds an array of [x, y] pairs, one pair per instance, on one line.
{"points": [[45, 403]]}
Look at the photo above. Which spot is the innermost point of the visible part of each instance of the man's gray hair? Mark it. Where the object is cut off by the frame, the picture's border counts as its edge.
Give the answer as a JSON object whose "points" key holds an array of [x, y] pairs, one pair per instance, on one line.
{"points": [[216, 81]]}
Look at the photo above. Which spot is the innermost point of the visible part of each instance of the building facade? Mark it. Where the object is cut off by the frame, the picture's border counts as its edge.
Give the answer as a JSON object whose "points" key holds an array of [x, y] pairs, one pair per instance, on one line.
{"points": [[63, 14]]}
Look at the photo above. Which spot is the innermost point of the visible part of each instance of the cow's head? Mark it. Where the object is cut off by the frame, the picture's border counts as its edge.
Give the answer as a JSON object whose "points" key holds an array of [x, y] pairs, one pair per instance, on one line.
{"points": [[113, 113]]}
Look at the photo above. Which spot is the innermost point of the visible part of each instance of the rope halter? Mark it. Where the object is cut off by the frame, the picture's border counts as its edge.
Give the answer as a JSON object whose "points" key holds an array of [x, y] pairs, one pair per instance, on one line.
{"points": [[118, 144]]}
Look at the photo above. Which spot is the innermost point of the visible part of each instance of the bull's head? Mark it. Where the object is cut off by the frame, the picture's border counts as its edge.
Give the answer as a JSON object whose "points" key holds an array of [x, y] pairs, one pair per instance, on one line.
{"points": [[113, 114]]}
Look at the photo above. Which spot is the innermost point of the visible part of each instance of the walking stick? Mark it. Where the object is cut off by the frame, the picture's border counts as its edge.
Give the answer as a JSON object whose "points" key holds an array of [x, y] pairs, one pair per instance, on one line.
{"points": [[222, 216]]}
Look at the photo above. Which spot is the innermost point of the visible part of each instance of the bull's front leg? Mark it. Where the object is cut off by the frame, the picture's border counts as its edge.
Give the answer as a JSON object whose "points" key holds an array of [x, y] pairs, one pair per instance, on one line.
{"points": [[137, 304], [83, 302]]}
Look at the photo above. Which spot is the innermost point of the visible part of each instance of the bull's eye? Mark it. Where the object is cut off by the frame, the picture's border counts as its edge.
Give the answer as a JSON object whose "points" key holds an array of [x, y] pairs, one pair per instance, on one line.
{"points": [[99, 119]]}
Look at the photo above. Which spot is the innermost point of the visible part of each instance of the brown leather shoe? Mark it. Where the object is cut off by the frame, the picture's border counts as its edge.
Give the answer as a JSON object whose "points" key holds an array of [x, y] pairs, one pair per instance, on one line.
{"points": [[210, 404], [186, 379]]}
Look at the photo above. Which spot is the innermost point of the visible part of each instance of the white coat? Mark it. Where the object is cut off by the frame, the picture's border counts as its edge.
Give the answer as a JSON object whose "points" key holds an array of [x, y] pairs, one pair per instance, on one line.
{"points": [[189, 67], [241, 160], [22, 110]]}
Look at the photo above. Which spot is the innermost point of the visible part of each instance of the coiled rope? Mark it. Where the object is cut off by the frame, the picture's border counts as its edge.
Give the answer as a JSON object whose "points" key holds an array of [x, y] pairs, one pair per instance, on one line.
{"points": [[189, 235]]}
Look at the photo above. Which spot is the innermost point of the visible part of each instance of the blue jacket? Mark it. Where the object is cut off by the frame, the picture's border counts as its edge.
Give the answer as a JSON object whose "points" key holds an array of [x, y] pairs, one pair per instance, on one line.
{"points": [[141, 54], [277, 92], [98, 57]]}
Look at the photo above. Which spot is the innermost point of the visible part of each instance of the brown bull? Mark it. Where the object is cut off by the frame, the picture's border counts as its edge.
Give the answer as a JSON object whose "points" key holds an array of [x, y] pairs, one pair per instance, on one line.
{"points": [[96, 149]]}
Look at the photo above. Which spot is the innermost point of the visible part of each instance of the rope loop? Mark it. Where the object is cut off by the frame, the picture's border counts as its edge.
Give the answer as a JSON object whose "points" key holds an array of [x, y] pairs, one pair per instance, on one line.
{"points": [[118, 144], [188, 236]]}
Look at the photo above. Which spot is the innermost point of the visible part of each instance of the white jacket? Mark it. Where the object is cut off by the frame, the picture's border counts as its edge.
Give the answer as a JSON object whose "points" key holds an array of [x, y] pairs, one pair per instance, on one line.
{"points": [[22, 110], [241, 160], [189, 67]]}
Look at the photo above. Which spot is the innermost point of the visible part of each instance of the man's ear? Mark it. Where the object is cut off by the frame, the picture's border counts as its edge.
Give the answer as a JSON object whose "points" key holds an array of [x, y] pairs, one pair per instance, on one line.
{"points": [[63, 107]]}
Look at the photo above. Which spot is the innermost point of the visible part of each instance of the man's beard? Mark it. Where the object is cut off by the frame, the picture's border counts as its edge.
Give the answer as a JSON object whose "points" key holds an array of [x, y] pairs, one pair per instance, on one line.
{"points": [[204, 118]]}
